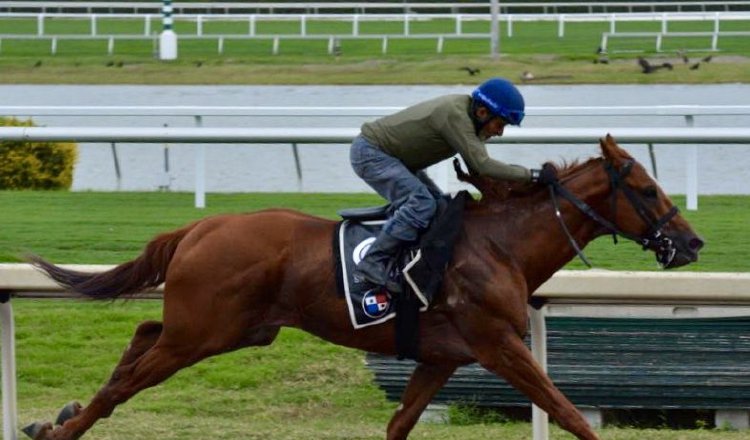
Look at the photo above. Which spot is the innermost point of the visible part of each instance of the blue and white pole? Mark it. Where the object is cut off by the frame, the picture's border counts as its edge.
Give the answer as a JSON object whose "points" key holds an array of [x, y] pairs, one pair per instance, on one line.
{"points": [[167, 39]]}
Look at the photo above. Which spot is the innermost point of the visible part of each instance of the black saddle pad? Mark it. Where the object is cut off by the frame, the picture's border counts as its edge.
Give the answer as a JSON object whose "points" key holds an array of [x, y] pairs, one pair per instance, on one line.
{"points": [[422, 265]]}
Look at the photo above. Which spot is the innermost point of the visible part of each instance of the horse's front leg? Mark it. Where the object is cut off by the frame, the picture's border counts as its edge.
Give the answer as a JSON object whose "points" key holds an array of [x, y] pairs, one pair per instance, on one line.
{"points": [[501, 350], [425, 382]]}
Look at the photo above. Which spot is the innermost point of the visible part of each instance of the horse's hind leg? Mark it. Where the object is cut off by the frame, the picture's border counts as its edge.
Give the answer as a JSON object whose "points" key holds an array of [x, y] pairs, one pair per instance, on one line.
{"points": [[507, 356], [152, 357], [425, 382]]}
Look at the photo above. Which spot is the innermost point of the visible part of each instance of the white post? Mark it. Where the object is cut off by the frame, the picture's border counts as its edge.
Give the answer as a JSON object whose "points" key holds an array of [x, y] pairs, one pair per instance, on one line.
{"points": [[200, 170], [691, 169], [494, 29], [147, 25], [167, 39], [561, 26], [691, 164], [539, 418], [93, 24], [458, 24], [199, 25], [9, 369], [251, 29], [355, 25], [40, 24], [509, 25], [302, 25]]}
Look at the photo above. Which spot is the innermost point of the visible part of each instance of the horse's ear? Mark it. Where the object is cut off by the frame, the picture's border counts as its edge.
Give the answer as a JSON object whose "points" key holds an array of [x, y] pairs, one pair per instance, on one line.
{"points": [[611, 151]]}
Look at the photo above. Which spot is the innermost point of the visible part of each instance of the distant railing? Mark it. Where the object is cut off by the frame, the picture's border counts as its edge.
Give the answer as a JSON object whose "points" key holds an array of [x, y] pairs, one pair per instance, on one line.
{"points": [[374, 7], [151, 23], [712, 38]]}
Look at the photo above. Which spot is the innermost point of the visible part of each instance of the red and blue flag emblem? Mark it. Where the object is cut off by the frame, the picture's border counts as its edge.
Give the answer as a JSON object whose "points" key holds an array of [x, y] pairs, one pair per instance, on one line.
{"points": [[376, 303]]}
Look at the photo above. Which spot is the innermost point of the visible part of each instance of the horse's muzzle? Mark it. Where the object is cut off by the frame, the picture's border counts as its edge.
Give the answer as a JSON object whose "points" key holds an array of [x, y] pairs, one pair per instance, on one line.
{"points": [[677, 251]]}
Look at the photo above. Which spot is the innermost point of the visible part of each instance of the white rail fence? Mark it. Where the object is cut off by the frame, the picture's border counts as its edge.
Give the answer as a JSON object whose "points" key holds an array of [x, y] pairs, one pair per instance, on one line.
{"points": [[151, 23], [373, 7], [593, 292], [317, 27], [688, 113], [689, 136]]}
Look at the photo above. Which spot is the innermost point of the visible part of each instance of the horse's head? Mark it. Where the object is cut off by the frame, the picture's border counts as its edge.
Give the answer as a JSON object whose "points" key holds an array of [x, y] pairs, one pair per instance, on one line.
{"points": [[641, 210]]}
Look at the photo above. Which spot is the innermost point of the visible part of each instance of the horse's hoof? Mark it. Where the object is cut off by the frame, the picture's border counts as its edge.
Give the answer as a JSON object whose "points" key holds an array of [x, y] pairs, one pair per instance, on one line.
{"points": [[37, 430], [69, 411]]}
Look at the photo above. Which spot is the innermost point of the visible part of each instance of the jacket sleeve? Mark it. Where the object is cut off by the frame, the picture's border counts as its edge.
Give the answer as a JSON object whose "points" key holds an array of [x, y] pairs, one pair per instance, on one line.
{"points": [[474, 152]]}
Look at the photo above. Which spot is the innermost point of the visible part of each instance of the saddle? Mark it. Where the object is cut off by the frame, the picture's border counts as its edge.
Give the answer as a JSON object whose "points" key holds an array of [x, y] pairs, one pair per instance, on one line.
{"points": [[419, 269]]}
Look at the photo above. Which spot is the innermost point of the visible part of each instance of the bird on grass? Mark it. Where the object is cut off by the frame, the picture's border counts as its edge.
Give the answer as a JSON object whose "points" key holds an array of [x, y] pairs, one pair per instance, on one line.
{"points": [[471, 70], [647, 67]]}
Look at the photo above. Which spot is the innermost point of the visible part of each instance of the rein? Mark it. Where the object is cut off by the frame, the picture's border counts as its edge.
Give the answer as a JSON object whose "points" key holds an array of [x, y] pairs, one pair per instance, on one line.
{"points": [[663, 245]]}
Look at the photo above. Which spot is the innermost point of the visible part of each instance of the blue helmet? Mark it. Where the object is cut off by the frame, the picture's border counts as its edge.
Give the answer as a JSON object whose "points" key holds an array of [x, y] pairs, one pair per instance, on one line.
{"points": [[502, 99]]}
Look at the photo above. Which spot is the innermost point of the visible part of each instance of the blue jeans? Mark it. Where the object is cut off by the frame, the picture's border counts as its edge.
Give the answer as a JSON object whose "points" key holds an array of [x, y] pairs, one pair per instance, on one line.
{"points": [[412, 195]]}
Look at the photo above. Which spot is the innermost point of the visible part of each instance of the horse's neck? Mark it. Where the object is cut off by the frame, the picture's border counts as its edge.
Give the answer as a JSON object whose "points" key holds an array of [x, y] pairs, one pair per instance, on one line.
{"points": [[538, 245]]}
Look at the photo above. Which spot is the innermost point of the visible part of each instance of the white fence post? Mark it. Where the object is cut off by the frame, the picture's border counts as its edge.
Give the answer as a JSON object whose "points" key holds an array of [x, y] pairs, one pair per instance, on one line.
{"points": [[93, 24], [539, 418], [561, 25], [10, 411], [40, 24], [200, 170]]}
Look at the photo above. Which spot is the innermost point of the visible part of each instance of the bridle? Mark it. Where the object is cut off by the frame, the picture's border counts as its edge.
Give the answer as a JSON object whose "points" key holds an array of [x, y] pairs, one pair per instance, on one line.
{"points": [[653, 238]]}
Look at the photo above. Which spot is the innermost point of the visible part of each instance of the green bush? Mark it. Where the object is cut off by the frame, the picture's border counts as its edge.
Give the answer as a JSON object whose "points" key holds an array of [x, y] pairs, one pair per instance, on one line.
{"points": [[35, 165]]}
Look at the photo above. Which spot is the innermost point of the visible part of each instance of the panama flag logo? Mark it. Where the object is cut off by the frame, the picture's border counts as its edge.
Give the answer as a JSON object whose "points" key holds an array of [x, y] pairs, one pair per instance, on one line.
{"points": [[376, 302]]}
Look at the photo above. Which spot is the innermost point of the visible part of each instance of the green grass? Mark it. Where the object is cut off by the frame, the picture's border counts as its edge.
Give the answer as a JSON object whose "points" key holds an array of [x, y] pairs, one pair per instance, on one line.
{"points": [[534, 46], [91, 227]]}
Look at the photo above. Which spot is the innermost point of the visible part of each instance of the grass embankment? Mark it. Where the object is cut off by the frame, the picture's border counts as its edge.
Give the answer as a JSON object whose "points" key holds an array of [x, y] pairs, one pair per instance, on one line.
{"points": [[533, 47], [300, 387]]}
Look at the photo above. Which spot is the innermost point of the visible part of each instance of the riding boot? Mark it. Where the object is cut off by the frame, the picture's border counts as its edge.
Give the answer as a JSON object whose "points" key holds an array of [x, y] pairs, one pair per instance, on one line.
{"points": [[375, 265]]}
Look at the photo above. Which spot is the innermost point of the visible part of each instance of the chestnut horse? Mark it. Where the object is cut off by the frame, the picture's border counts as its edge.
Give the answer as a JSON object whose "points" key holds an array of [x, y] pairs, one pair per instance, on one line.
{"points": [[232, 281]]}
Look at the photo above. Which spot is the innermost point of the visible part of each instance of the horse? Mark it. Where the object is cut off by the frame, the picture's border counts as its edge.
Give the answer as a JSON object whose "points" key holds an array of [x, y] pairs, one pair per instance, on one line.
{"points": [[232, 281]]}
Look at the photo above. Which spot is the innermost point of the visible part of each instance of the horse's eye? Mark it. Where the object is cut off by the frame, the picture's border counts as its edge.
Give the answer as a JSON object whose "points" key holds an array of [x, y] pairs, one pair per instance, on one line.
{"points": [[650, 192]]}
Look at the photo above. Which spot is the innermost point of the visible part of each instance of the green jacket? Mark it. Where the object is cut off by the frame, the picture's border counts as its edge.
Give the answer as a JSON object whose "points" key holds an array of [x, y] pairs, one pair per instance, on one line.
{"points": [[429, 132]]}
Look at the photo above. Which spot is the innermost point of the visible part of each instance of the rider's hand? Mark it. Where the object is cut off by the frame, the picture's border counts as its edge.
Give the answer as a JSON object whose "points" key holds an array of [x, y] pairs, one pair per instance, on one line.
{"points": [[545, 176]]}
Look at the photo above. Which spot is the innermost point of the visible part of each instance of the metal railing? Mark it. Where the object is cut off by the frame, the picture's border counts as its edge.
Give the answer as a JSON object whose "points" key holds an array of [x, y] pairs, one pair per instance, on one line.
{"points": [[690, 136], [375, 7], [151, 23]]}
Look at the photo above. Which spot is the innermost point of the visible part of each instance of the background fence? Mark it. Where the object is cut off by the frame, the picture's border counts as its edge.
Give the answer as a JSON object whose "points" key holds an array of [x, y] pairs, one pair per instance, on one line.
{"points": [[375, 7]]}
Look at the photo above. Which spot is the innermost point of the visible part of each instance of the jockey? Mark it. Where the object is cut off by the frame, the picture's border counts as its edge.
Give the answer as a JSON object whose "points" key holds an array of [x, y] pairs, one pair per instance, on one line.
{"points": [[391, 153]]}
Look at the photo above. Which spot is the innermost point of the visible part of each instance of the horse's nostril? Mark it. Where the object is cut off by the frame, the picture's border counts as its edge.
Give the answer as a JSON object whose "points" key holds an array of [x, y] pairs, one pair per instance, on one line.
{"points": [[695, 244]]}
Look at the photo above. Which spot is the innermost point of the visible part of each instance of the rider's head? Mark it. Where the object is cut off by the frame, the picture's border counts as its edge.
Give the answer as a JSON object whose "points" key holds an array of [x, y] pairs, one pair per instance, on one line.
{"points": [[497, 98]]}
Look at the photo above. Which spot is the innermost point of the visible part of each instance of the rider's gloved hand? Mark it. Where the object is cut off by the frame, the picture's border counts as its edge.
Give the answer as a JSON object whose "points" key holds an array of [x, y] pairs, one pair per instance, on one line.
{"points": [[545, 176]]}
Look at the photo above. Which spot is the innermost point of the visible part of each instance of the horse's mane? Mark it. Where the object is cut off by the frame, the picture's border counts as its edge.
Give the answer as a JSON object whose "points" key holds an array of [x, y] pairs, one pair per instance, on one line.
{"points": [[499, 190]]}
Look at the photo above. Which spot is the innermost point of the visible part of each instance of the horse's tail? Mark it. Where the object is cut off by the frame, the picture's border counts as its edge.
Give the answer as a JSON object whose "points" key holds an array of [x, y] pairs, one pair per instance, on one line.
{"points": [[146, 271]]}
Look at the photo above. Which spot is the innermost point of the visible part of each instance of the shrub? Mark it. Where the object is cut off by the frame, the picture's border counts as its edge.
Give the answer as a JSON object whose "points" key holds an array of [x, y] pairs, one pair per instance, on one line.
{"points": [[35, 165]]}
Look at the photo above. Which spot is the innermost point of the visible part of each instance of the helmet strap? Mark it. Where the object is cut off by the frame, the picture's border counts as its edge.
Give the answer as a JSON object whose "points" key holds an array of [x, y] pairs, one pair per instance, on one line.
{"points": [[478, 122]]}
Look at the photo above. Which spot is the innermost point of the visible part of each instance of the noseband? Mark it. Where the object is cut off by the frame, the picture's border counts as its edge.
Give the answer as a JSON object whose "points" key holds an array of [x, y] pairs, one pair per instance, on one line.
{"points": [[653, 238]]}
